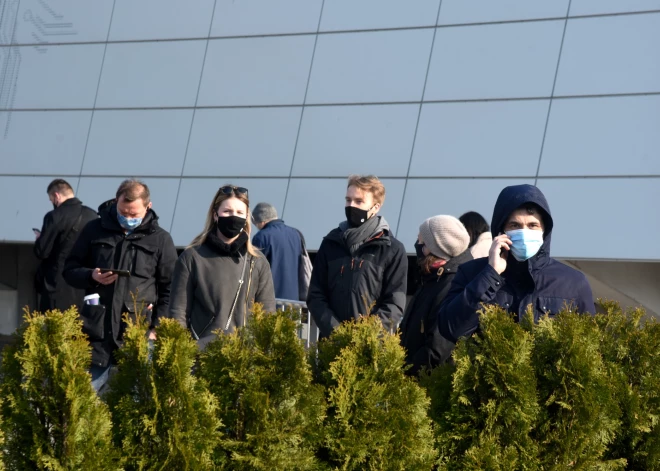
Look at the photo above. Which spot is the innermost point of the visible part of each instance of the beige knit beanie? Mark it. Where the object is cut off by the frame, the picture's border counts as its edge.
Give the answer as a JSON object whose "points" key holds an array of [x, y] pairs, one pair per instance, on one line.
{"points": [[444, 236]]}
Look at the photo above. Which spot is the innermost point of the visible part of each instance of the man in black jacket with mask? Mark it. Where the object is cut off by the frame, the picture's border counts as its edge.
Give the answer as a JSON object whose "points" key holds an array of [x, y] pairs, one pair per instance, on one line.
{"points": [[518, 271], [127, 237], [54, 242], [360, 268]]}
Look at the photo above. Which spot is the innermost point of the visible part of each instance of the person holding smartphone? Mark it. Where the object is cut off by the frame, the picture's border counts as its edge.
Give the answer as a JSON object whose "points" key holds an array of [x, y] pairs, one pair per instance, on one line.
{"points": [[53, 244], [518, 271], [122, 255]]}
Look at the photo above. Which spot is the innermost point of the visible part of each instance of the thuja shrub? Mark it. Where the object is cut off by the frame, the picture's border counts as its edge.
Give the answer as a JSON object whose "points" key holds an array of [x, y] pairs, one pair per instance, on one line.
{"points": [[164, 418], [485, 416], [52, 419], [580, 415], [377, 416], [271, 411], [630, 345]]}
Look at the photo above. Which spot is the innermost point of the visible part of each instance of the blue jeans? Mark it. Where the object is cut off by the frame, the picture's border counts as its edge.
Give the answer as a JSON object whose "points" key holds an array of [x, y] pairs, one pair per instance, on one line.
{"points": [[99, 376]]}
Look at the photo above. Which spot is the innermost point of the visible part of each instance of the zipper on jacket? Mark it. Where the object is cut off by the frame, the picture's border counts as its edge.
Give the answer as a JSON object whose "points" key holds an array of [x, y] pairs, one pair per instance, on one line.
{"points": [[247, 292], [341, 272]]}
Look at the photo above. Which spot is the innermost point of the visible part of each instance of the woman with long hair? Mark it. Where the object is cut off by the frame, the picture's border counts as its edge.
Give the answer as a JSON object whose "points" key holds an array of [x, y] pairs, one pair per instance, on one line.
{"points": [[220, 276], [442, 246], [480, 236]]}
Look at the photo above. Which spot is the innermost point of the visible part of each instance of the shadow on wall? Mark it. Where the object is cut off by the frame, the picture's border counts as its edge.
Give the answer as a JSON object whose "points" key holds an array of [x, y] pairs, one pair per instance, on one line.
{"points": [[630, 283]]}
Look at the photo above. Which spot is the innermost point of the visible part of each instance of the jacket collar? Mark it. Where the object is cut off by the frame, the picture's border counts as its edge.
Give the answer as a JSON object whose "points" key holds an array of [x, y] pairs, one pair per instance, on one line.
{"points": [[451, 267]]}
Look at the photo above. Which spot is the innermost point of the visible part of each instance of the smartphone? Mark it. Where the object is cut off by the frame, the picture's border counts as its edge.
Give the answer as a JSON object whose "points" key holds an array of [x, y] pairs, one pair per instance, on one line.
{"points": [[36, 231], [116, 272]]}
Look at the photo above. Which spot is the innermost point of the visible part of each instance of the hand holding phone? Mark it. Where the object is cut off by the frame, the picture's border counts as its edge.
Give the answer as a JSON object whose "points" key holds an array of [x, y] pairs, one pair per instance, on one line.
{"points": [[499, 252], [115, 271], [106, 278]]}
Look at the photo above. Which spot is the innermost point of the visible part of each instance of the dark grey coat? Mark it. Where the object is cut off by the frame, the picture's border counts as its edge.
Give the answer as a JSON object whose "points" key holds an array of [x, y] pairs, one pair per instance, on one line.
{"points": [[204, 286]]}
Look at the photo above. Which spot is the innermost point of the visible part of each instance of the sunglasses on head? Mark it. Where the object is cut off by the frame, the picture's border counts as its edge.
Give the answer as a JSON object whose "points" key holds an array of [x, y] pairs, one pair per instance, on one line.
{"points": [[237, 190]]}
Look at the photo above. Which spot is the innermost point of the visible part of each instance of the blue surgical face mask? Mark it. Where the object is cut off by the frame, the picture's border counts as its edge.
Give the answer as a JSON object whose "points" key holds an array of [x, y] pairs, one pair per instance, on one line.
{"points": [[526, 243], [129, 224]]}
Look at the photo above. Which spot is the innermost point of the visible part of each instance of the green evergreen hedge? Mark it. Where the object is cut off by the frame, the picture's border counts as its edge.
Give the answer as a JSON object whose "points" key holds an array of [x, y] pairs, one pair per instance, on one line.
{"points": [[571, 392]]}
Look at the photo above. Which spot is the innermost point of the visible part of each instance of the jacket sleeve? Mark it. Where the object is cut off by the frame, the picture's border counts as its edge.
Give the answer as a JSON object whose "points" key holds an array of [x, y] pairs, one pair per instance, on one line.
{"points": [[43, 246], [76, 272], [182, 291], [164, 270], [458, 313], [392, 300], [265, 293], [317, 298]]}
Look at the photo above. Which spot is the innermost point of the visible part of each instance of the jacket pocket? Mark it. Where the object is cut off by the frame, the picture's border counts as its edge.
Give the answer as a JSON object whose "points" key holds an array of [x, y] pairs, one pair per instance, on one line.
{"points": [[93, 317], [553, 306], [145, 261]]}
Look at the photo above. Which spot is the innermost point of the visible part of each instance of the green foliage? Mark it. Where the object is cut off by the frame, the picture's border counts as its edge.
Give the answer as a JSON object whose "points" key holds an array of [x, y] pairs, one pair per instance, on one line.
{"points": [[377, 419], [271, 410], [486, 423], [631, 349], [52, 418], [164, 418], [580, 415]]}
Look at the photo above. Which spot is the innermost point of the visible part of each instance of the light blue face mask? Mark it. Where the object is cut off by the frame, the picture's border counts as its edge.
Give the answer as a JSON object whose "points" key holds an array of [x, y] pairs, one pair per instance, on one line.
{"points": [[526, 243], [129, 224]]}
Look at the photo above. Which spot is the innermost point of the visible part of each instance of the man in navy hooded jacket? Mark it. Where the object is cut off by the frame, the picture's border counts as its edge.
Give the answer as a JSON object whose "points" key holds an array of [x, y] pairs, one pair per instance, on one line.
{"points": [[518, 271]]}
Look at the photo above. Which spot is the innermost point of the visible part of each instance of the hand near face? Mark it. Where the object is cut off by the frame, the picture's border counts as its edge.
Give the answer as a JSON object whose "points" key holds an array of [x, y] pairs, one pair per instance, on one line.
{"points": [[499, 251]]}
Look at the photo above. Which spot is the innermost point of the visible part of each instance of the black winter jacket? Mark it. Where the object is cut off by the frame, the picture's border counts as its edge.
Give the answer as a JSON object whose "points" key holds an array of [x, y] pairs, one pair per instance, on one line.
{"points": [[205, 284], [343, 287], [148, 254], [542, 282], [425, 346], [58, 234]]}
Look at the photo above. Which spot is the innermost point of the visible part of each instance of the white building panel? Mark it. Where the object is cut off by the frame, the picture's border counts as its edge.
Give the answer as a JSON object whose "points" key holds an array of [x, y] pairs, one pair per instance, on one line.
{"points": [[256, 71], [342, 140], [370, 67], [483, 11], [486, 139], [151, 74], [510, 60], [142, 142]]}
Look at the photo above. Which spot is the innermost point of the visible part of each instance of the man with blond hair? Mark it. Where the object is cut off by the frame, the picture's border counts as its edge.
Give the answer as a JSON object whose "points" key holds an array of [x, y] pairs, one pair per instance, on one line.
{"points": [[360, 268]]}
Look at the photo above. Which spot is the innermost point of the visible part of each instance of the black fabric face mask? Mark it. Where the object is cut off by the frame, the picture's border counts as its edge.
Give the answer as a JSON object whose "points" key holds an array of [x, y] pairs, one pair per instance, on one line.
{"points": [[356, 216], [419, 251], [230, 226]]}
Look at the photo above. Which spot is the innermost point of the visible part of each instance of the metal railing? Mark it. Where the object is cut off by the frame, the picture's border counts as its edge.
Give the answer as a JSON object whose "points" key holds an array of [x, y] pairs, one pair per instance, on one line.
{"points": [[307, 331]]}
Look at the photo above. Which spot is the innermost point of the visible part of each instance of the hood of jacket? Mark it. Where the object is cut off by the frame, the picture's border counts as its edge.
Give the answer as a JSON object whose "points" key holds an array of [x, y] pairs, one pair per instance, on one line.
{"points": [[108, 213], [510, 199]]}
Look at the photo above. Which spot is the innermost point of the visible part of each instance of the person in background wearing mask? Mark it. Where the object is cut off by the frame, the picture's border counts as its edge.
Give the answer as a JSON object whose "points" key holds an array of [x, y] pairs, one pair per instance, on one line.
{"points": [[126, 237], [518, 272], [54, 242], [480, 236], [441, 246], [360, 268], [220, 276]]}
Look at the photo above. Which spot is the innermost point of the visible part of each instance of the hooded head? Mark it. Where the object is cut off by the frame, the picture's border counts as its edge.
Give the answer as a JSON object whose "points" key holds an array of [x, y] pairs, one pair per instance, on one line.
{"points": [[512, 198]]}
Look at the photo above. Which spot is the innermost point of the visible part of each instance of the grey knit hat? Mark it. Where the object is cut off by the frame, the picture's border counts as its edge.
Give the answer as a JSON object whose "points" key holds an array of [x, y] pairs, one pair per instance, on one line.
{"points": [[444, 236], [264, 212]]}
